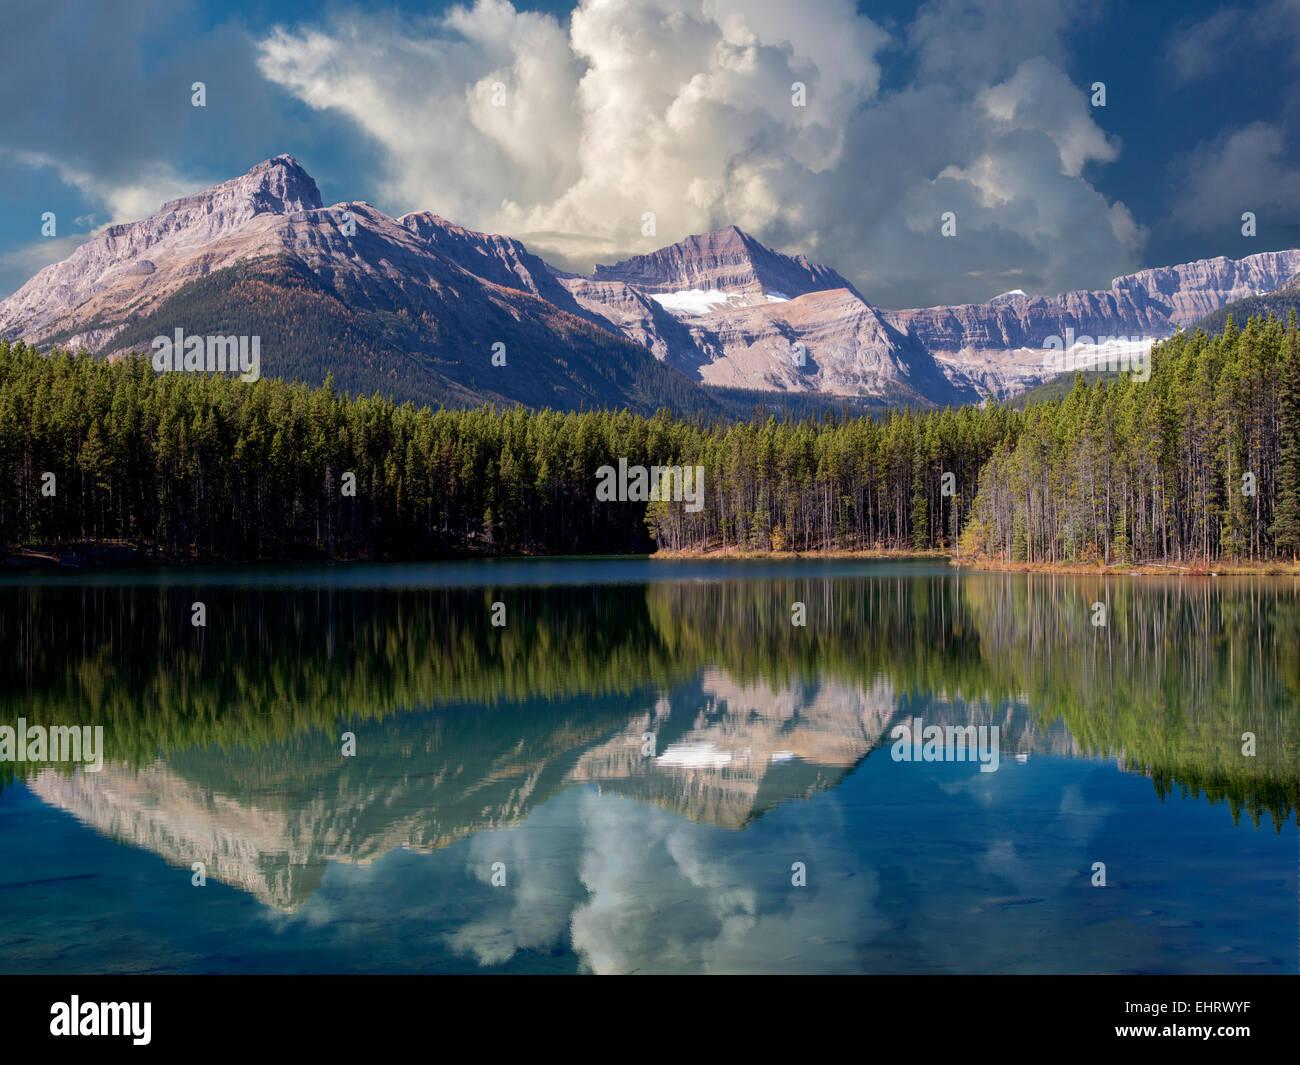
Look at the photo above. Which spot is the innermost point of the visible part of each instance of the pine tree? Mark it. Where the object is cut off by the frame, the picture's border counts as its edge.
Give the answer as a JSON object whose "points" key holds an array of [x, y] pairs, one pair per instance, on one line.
{"points": [[1285, 529]]}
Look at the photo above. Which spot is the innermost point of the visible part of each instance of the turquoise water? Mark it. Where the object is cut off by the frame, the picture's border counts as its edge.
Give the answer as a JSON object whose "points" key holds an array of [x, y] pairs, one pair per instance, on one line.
{"points": [[649, 768]]}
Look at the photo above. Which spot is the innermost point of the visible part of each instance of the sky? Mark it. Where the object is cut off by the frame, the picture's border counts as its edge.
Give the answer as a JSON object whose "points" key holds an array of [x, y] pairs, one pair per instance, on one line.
{"points": [[606, 128]]}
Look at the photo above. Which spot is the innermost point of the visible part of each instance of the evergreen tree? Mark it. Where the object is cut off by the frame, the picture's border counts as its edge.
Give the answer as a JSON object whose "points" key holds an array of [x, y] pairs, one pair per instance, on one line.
{"points": [[1285, 529]]}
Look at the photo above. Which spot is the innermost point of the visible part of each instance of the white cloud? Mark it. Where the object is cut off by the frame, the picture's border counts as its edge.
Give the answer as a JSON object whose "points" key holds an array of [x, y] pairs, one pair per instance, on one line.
{"points": [[1251, 167], [425, 91], [966, 45], [682, 109], [1040, 97]]}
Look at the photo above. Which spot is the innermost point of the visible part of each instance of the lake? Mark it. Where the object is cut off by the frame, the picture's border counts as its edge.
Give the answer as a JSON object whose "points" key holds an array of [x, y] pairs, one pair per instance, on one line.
{"points": [[627, 765]]}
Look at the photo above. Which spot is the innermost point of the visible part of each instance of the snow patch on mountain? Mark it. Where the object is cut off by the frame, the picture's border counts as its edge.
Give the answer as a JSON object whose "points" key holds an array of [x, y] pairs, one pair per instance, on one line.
{"points": [[695, 301]]}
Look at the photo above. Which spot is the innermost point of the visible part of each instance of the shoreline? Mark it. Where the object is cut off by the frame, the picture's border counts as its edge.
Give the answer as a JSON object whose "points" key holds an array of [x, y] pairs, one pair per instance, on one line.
{"points": [[117, 555], [875, 553], [1222, 568]]}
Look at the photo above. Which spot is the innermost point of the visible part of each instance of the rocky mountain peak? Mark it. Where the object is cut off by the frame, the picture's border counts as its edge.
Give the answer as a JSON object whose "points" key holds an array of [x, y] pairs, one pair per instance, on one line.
{"points": [[725, 260], [167, 248], [280, 185], [275, 186]]}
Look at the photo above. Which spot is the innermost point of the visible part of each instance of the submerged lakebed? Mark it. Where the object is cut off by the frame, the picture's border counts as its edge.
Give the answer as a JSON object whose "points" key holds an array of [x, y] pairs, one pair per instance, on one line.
{"points": [[651, 766]]}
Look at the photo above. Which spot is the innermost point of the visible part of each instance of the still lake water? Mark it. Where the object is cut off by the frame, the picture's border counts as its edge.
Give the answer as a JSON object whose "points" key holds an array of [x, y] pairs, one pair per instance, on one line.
{"points": [[650, 754]]}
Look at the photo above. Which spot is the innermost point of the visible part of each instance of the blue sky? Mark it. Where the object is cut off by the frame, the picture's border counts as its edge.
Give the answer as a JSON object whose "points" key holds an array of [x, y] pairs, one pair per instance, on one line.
{"points": [[612, 110]]}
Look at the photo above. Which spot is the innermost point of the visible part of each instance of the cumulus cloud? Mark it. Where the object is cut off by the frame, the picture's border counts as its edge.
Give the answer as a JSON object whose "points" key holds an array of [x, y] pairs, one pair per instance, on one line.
{"points": [[534, 913], [1009, 164], [971, 43], [1040, 98], [569, 133], [567, 136], [507, 120], [425, 92]]}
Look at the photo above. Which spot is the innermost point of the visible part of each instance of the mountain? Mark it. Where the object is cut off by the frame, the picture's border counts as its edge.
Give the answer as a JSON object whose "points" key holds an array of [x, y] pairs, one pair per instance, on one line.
{"points": [[1001, 344], [727, 260], [1279, 303], [1196, 289], [415, 307], [723, 308], [130, 268], [409, 307]]}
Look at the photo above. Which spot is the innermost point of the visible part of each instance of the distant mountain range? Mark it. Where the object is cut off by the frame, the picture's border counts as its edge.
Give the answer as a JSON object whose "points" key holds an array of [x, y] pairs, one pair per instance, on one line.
{"points": [[416, 308]]}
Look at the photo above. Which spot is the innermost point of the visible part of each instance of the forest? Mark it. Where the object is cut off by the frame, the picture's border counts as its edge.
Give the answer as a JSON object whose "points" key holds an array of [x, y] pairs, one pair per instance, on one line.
{"points": [[1200, 462]]}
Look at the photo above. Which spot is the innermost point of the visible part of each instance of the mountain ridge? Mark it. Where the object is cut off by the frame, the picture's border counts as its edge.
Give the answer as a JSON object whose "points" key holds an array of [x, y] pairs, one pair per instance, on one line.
{"points": [[423, 305], [419, 324]]}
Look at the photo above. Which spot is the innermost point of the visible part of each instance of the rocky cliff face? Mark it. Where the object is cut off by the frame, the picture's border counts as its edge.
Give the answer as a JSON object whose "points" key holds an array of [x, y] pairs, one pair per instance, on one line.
{"points": [[274, 209], [1001, 346], [1020, 321], [722, 307], [1195, 289], [1149, 303], [500, 260]]}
